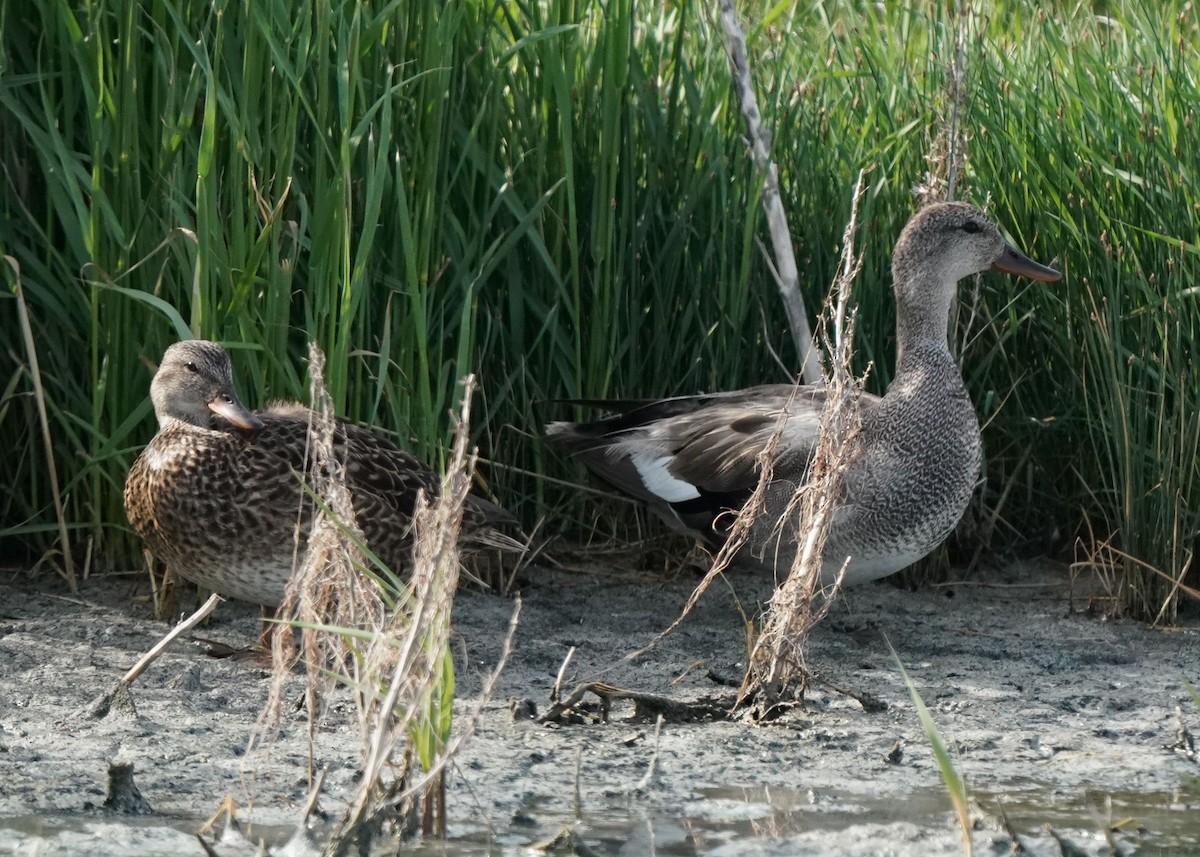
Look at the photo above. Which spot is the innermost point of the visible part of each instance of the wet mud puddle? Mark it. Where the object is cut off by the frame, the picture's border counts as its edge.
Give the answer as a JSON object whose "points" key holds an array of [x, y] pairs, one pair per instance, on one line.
{"points": [[721, 822]]}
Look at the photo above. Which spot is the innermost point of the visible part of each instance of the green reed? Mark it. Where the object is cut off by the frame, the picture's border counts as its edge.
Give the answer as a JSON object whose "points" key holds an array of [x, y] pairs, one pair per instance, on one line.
{"points": [[557, 197]]}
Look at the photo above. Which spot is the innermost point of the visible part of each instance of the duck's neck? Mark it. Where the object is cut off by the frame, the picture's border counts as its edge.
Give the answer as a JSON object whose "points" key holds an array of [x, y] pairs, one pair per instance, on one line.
{"points": [[173, 422], [922, 315]]}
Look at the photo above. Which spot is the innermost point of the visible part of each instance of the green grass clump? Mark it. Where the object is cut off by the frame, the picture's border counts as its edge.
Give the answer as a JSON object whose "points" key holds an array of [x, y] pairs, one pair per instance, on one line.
{"points": [[556, 196], [1101, 368]]}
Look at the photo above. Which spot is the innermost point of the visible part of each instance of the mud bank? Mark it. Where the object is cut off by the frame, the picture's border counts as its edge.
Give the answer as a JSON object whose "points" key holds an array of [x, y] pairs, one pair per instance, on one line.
{"points": [[1054, 714]]}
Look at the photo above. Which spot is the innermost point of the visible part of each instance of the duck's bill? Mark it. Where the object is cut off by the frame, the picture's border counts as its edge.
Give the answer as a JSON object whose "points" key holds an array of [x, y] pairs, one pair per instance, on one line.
{"points": [[234, 412], [1015, 262]]}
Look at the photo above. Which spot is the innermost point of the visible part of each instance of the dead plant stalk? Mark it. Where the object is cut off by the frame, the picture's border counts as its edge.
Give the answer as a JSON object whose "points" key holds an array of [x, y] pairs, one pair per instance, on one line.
{"points": [[327, 591], [408, 659], [777, 662], [793, 609], [783, 266], [39, 397]]}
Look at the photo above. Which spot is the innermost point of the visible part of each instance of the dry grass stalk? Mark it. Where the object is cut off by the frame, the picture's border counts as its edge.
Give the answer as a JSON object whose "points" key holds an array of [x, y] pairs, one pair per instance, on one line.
{"points": [[787, 277], [407, 688], [327, 591], [947, 157], [389, 643], [39, 396], [777, 654], [777, 663], [1115, 569]]}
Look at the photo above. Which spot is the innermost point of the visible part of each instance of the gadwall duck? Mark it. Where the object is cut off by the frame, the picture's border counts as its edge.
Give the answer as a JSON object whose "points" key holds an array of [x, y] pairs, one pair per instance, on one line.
{"points": [[692, 459], [217, 496]]}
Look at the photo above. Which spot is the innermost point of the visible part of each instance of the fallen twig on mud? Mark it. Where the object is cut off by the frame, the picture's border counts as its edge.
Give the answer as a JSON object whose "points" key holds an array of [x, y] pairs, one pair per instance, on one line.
{"points": [[652, 768], [645, 705], [182, 628], [104, 703]]}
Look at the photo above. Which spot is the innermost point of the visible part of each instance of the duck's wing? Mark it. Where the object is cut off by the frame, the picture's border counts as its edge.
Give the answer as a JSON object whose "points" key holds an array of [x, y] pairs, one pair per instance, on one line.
{"points": [[379, 474], [694, 457], [384, 480]]}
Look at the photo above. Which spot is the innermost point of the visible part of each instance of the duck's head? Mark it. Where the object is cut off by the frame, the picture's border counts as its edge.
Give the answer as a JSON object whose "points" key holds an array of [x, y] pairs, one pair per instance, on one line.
{"points": [[195, 381], [940, 245]]}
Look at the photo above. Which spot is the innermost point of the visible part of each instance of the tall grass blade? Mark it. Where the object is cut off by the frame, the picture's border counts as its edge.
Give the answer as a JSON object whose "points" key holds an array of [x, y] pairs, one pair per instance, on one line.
{"points": [[39, 397], [956, 786]]}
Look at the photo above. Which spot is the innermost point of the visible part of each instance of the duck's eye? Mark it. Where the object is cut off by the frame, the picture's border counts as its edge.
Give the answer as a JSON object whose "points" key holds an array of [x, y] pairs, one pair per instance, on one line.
{"points": [[191, 367], [970, 227]]}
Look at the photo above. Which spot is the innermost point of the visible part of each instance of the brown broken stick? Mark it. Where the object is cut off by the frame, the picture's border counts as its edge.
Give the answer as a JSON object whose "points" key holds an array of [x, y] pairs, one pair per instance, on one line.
{"points": [[646, 705]]}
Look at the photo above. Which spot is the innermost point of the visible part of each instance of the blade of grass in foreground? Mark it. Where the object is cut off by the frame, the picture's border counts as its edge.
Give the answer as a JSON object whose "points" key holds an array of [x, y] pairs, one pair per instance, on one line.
{"points": [[956, 786]]}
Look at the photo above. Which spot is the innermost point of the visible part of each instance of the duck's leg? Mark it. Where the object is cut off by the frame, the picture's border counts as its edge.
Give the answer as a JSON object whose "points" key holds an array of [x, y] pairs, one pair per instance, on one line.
{"points": [[259, 654]]}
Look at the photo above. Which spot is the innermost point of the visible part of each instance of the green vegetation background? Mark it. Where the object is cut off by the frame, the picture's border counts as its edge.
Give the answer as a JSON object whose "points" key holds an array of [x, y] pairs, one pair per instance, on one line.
{"points": [[557, 197]]}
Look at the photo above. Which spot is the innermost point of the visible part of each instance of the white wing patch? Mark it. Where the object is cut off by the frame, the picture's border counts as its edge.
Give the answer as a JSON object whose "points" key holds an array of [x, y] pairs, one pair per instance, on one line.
{"points": [[658, 479]]}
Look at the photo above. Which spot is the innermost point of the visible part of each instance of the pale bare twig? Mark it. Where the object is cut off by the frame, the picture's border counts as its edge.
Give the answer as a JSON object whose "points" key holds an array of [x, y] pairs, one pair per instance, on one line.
{"points": [[171, 636], [119, 691], [787, 276]]}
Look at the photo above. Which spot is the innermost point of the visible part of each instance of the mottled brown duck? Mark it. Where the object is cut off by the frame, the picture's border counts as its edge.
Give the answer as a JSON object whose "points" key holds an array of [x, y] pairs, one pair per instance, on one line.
{"points": [[217, 496], [916, 456]]}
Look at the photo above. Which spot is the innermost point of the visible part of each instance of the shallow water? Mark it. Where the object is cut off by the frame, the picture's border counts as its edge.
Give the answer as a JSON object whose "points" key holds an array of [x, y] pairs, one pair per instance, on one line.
{"points": [[725, 822]]}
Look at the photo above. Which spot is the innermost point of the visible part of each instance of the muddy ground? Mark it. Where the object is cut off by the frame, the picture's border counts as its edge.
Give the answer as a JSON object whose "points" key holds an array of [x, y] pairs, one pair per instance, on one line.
{"points": [[1056, 715]]}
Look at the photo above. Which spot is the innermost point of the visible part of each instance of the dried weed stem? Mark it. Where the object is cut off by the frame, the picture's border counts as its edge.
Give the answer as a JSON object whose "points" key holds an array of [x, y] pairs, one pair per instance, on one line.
{"points": [[407, 690], [777, 663], [39, 397], [783, 266], [327, 592], [947, 157], [388, 640]]}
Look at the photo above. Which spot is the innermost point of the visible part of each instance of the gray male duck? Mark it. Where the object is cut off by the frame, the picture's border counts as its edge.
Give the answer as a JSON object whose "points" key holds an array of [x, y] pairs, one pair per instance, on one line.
{"points": [[917, 454], [216, 494]]}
